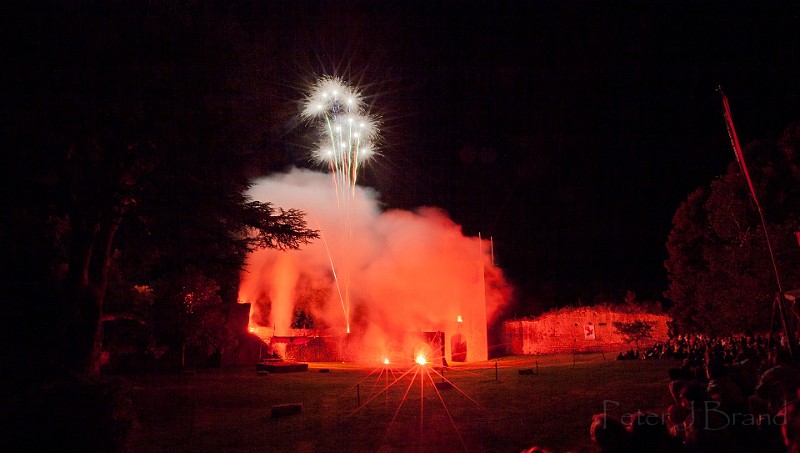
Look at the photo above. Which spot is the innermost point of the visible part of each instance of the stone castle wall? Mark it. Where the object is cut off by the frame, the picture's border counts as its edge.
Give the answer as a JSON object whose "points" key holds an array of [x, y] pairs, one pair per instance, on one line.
{"points": [[569, 330]]}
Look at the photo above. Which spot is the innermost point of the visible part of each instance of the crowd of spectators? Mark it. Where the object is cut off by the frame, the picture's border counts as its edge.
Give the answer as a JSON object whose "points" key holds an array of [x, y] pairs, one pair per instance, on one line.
{"points": [[696, 348], [729, 394]]}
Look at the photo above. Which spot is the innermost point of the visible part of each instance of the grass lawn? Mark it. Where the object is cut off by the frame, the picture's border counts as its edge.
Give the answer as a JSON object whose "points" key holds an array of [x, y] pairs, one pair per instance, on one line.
{"points": [[488, 409]]}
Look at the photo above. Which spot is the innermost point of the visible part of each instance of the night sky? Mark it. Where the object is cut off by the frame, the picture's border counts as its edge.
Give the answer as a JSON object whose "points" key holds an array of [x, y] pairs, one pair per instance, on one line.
{"points": [[568, 131]]}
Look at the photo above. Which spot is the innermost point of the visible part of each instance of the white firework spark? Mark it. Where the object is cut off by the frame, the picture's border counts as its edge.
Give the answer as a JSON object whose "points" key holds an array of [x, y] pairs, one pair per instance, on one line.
{"points": [[347, 132], [347, 135]]}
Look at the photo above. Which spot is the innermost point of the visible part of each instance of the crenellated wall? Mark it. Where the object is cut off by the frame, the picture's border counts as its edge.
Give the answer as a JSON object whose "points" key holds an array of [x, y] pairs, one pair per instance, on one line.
{"points": [[564, 330]]}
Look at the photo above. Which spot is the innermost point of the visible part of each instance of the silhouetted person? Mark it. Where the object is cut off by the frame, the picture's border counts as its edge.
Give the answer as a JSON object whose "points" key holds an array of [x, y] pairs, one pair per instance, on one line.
{"points": [[790, 428], [536, 450], [609, 434], [649, 433]]}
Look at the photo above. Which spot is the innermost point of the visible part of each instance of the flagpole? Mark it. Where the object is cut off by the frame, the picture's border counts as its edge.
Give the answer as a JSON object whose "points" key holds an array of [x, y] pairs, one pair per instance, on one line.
{"points": [[737, 149]]}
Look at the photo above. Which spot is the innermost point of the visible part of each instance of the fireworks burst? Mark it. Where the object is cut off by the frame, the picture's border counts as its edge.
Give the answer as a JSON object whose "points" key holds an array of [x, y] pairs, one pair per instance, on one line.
{"points": [[347, 134]]}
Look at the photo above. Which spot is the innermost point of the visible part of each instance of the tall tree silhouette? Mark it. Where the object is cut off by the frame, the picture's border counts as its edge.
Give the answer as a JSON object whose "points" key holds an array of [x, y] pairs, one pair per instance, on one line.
{"points": [[133, 143], [721, 278]]}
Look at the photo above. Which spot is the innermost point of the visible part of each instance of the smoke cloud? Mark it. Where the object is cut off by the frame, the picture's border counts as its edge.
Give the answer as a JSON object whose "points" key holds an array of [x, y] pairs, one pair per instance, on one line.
{"points": [[382, 273]]}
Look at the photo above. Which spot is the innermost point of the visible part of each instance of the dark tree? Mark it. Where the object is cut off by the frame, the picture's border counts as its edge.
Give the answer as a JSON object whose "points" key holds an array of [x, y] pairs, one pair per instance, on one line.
{"points": [[191, 313], [133, 133], [635, 331], [721, 277]]}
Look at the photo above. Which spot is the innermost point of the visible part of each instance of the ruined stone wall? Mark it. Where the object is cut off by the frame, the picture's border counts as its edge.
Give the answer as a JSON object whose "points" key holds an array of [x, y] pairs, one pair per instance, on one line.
{"points": [[569, 330]]}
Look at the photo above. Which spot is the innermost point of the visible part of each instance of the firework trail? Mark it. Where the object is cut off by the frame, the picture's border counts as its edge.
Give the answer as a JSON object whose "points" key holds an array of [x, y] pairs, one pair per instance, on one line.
{"points": [[346, 140]]}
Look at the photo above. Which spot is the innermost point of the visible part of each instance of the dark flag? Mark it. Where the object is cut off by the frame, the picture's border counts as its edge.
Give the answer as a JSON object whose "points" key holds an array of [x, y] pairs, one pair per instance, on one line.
{"points": [[737, 148]]}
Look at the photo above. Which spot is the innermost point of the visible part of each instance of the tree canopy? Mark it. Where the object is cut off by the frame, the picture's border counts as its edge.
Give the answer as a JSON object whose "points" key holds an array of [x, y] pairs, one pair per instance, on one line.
{"points": [[719, 267], [635, 331], [133, 139]]}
